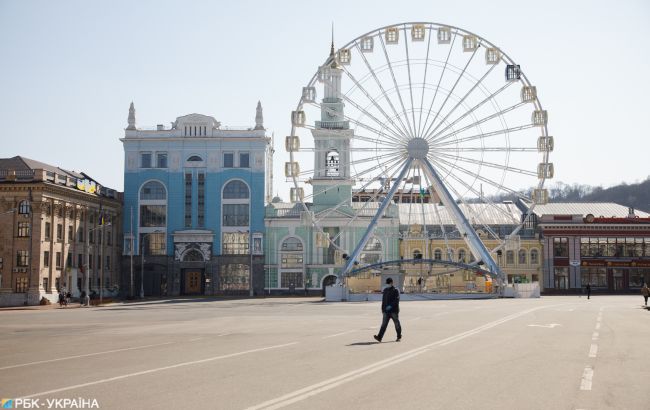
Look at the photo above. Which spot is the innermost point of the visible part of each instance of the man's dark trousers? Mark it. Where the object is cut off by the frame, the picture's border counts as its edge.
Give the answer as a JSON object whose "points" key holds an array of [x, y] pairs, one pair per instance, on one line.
{"points": [[384, 324]]}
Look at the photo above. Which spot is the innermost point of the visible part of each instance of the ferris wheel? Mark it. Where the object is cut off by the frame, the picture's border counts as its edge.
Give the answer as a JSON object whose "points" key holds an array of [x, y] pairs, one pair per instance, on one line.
{"points": [[420, 108]]}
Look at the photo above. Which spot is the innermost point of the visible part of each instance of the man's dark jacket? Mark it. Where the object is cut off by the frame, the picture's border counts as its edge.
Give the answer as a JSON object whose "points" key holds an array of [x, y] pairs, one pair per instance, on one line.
{"points": [[390, 298]]}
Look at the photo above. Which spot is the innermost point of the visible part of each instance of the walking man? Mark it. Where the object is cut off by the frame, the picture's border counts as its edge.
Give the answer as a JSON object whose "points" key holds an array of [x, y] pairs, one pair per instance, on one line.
{"points": [[588, 291], [645, 292], [390, 310]]}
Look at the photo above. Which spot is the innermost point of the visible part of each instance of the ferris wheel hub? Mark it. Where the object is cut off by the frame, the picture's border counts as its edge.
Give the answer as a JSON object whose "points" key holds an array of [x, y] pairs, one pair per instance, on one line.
{"points": [[417, 148]]}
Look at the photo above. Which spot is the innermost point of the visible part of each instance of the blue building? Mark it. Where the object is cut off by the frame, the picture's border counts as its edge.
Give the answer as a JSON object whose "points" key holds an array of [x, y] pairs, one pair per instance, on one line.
{"points": [[194, 198]]}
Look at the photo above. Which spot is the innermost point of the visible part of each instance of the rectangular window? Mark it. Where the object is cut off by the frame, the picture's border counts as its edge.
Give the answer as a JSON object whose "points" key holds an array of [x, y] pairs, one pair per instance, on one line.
{"points": [[234, 276], [70, 233], [80, 235], [21, 284], [91, 237], [68, 262], [107, 266], [23, 229], [244, 160], [145, 160], [228, 160], [80, 260], [161, 160], [188, 200], [596, 277], [235, 215], [154, 243], [90, 261], [561, 247], [46, 259], [201, 200], [291, 280], [48, 229], [59, 232], [153, 215], [59, 260], [109, 238], [235, 243], [561, 278], [22, 258]]}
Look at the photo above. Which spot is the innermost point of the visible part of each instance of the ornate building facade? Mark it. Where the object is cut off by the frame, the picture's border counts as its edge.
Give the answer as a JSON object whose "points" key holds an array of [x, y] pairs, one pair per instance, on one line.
{"points": [[59, 231], [605, 245], [194, 207]]}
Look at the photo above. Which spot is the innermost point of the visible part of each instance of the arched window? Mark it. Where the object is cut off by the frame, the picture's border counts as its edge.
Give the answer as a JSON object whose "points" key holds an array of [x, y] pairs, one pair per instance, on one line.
{"points": [[291, 254], [510, 258], [534, 256], [371, 252], [235, 190], [417, 254], [153, 218], [24, 207], [332, 164], [235, 218], [195, 158], [461, 256], [437, 255], [153, 190], [522, 256], [193, 256]]}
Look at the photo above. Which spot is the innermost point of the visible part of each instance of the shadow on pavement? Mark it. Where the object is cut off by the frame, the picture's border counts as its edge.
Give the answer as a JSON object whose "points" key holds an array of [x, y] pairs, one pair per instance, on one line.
{"points": [[365, 343]]}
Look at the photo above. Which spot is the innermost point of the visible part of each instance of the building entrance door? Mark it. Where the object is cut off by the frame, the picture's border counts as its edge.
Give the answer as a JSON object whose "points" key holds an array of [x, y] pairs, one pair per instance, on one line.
{"points": [[618, 279], [192, 282]]}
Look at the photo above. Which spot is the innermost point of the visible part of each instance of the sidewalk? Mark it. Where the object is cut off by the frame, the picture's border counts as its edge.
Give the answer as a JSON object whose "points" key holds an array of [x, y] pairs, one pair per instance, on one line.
{"points": [[42, 307]]}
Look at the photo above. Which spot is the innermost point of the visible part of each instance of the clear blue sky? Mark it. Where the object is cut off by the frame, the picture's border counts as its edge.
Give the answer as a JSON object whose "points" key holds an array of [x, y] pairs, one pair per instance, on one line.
{"points": [[69, 70]]}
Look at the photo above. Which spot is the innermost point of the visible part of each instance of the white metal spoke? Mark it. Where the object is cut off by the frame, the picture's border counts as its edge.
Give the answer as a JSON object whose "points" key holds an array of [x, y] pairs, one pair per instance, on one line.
{"points": [[479, 122], [450, 93], [395, 168], [424, 81], [480, 196], [471, 110], [403, 131], [442, 121], [399, 95], [352, 163], [485, 149], [486, 135], [476, 176], [397, 135], [487, 164], [442, 73], [408, 65]]}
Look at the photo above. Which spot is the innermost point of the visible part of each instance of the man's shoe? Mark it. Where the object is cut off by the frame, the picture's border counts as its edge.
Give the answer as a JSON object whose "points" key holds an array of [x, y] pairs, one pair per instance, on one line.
{"points": [[377, 338], [398, 338]]}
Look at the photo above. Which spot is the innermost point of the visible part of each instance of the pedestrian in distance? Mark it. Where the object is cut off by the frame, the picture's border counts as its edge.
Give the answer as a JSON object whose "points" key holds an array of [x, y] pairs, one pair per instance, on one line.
{"points": [[390, 310], [645, 292], [588, 291], [61, 299]]}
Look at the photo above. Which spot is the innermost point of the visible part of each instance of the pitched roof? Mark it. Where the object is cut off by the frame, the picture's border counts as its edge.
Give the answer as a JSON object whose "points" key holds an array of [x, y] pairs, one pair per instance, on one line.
{"points": [[597, 209]]}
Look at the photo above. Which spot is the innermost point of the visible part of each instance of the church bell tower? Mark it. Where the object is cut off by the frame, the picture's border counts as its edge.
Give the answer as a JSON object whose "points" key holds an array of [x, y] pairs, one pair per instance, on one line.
{"points": [[332, 135]]}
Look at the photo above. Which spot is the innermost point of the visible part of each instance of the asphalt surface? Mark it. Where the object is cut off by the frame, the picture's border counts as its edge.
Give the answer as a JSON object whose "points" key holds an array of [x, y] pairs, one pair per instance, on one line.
{"points": [[548, 353]]}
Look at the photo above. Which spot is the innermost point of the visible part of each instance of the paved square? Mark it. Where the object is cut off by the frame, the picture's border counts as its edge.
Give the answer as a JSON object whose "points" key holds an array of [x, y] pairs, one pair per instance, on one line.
{"points": [[548, 353]]}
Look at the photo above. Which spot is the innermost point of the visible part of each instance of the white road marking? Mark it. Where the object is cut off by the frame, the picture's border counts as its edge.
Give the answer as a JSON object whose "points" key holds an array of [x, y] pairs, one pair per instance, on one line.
{"points": [[549, 326], [594, 336], [593, 351], [159, 369], [597, 325], [333, 382], [85, 355], [342, 333], [602, 308], [587, 377]]}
